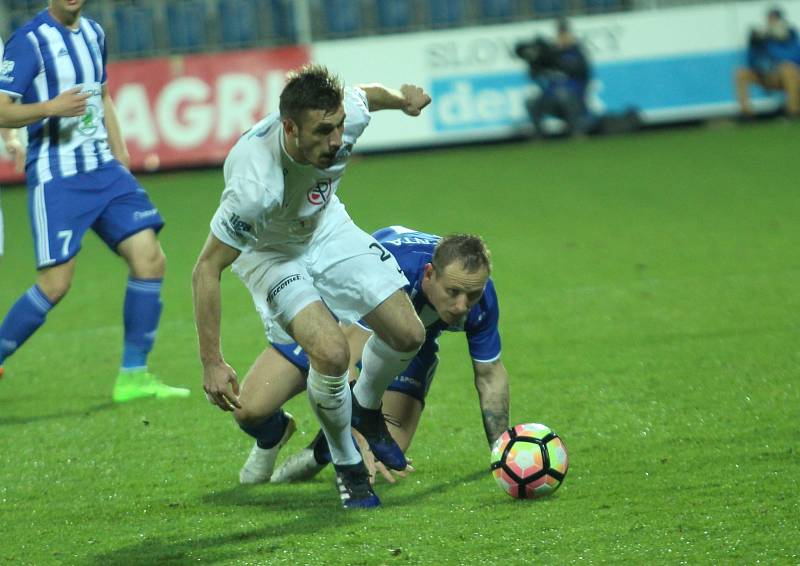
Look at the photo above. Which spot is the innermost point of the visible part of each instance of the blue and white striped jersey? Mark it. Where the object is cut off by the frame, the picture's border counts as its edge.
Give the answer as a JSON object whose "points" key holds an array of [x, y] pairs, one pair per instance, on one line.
{"points": [[43, 59]]}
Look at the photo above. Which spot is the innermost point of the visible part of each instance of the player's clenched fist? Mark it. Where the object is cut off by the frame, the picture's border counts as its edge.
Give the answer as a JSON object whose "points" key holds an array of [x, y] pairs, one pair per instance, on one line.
{"points": [[415, 99]]}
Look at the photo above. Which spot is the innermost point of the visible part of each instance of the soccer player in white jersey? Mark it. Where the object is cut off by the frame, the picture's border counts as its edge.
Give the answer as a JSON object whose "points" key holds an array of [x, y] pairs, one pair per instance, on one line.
{"points": [[77, 177], [283, 229]]}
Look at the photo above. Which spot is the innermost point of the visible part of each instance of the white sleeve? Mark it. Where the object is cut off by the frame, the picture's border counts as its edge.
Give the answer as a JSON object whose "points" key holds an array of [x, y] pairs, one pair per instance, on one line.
{"points": [[357, 113], [234, 222]]}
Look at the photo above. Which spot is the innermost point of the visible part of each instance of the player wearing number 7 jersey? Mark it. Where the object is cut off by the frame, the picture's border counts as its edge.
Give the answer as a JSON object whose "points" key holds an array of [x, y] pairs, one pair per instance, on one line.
{"points": [[77, 176]]}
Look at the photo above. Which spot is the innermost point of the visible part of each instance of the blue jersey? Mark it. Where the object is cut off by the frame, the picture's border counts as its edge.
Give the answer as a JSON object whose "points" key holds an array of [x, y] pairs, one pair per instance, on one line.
{"points": [[43, 59], [413, 251]]}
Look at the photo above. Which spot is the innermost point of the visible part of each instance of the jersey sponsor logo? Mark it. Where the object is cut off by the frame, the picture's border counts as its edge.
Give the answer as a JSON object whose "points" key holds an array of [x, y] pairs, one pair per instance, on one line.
{"points": [[6, 68], [89, 122], [142, 214], [320, 194], [238, 224], [236, 227], [281, 285]]}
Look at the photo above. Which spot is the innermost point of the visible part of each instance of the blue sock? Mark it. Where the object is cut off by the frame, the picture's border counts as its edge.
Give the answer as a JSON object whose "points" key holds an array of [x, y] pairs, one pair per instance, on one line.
{"points": [[269, 431], [24, 318], [141, 313]]}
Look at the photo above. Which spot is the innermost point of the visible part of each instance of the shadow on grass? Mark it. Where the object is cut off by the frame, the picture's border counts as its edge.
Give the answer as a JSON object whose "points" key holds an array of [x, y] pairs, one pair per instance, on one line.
{"points": [[300, 515], [28, 419]]}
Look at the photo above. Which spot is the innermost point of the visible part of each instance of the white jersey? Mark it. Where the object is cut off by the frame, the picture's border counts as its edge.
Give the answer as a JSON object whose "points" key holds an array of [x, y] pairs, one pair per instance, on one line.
{"points": [[271, 200]]}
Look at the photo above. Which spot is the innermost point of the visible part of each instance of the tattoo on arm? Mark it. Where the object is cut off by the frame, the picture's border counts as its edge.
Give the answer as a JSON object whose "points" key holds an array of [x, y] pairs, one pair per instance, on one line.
{"points": [[495, 418]]}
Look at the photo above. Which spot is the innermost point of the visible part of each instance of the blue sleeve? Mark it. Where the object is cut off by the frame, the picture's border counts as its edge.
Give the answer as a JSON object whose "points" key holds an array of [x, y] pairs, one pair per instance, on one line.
{"points": [[483, 335], [20, 66], [104, 51]]}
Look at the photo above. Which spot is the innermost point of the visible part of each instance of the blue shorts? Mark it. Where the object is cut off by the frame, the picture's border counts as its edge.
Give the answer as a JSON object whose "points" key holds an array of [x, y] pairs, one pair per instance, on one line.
{"points": [[108, 200], [414, 381]]}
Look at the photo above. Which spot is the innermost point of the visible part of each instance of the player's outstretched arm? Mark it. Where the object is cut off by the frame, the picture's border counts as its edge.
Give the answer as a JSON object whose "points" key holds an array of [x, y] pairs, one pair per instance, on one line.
{"points": [[491, 381], [219, 379], [411, 99], [115, 140], [71, 102], [14, 148]]}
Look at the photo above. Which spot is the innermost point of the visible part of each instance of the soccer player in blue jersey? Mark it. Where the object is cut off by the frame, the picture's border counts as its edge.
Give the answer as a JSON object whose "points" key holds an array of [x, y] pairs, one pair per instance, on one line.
{"points": [[77, 176], [451, 290]]}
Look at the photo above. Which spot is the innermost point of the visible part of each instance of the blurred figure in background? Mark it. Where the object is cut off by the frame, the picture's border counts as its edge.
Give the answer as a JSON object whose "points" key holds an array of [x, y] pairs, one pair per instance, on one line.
{"points": [[562, 72], [773, 62]]}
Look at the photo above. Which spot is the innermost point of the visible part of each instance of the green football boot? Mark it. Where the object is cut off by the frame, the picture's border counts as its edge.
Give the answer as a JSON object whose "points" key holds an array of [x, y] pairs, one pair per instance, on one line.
{"points": [[132, 385]]}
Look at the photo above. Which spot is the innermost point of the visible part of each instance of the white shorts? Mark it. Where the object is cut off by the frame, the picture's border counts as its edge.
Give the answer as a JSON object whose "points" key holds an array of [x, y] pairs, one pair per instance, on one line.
{"points": [[345, 267]]}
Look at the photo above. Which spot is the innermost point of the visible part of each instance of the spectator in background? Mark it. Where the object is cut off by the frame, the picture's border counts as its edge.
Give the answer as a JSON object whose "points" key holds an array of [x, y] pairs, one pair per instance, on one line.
{"points": [[773, 62], [562, 72]]}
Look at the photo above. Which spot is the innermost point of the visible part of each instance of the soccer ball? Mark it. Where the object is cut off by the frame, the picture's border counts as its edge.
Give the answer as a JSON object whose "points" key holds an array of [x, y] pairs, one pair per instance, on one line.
{"points": [[529, 461]]}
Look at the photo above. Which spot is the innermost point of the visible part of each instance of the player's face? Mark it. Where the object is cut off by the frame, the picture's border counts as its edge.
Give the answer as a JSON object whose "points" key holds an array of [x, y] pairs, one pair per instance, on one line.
{"points": [[453, 291], [319, 136], [66, 8]]}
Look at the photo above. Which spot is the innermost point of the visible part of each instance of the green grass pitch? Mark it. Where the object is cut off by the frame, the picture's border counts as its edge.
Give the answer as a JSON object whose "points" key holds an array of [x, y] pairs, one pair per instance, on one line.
{"points": [[650, 293]]}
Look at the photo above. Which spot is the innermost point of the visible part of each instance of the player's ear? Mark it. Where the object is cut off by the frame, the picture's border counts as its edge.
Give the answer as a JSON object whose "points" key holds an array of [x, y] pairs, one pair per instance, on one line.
{"points": [[429, 271]]}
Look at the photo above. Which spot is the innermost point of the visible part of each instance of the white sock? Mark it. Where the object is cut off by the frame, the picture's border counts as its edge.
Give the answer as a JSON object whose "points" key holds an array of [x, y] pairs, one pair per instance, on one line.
{"points": [[330, 400], [380, 365]]}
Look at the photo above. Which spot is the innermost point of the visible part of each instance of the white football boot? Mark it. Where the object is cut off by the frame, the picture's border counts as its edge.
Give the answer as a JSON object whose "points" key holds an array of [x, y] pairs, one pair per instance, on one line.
{"points": [[297, 467], [261, 461]]}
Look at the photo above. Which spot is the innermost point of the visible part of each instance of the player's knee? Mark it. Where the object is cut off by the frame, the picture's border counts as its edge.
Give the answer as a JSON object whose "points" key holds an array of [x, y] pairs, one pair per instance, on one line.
{"points": [[247, 416], [150, 264], [54, 288], [331, 358], [410, 339]]}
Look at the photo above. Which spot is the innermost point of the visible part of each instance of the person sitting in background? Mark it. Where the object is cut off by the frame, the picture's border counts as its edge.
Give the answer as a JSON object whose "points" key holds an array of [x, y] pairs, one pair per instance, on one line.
{"points": [[562, 72], [773, 62]]}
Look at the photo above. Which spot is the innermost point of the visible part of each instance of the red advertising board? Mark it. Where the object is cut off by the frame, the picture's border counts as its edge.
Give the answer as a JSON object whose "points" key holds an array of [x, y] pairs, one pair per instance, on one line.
{"points": [[189, 110]]}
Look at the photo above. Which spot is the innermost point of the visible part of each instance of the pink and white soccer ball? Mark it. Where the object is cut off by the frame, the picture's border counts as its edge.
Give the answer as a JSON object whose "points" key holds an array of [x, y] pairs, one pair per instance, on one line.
{"points": [[529, 461]]}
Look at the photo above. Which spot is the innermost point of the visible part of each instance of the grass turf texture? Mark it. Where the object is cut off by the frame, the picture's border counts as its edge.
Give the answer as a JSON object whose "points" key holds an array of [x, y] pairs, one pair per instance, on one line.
{"points": [[649, 300]]}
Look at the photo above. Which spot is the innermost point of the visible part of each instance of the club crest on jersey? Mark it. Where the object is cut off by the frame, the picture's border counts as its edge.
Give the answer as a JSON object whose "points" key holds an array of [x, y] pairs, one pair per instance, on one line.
{"points": [[320, 194]]}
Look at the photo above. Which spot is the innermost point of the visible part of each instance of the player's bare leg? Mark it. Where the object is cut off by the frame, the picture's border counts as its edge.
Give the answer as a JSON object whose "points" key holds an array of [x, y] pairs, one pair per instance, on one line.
{"points": [[56, 281], [30, 311], [270, 382], [142, 312], [315, 329], [398, 335], [790, 82]]}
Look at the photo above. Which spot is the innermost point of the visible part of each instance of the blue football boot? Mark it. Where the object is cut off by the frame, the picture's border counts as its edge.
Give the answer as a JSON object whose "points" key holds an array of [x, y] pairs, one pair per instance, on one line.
{"points": [[372, 426], [354, 488]]}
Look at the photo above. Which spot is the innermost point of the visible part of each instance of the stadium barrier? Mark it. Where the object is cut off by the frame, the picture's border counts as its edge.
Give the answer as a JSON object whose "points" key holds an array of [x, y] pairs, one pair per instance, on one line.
{"points": [[675, 64]]}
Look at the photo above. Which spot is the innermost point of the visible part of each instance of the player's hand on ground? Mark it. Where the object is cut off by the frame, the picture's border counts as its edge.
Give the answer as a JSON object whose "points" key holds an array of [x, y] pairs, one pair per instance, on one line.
{"points": [[375, 467], [16, 151], [416, 99], [71, 102], [221, 386]]}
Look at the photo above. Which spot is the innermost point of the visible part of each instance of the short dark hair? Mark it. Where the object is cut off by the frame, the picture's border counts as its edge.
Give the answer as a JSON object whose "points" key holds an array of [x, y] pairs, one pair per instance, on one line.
{"points": [[776, 13], [468, 249], [311, 87]]}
